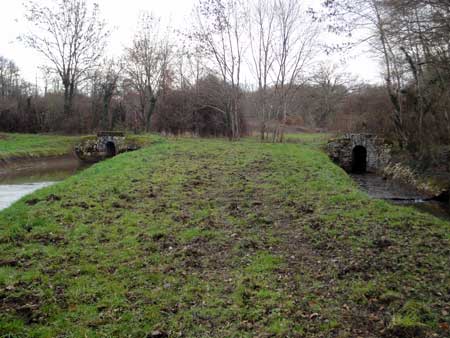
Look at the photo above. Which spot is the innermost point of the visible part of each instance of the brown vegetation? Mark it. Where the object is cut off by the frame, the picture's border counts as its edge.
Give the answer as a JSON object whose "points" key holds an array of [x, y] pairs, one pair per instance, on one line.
{"points": [[197, 86]]}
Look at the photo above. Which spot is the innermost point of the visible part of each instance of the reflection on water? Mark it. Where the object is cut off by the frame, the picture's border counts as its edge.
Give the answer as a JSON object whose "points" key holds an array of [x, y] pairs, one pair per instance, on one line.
{"points": [[402, 194], [438, 209], [378, 187], [25, 178], [12, 193]]}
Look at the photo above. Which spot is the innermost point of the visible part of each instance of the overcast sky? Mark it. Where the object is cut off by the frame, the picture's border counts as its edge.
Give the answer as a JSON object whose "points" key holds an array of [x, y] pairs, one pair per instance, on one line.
{"points": [[122, 15]]}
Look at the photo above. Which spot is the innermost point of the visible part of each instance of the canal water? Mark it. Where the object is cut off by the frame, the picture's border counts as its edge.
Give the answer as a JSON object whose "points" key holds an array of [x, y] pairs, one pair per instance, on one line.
{"points": [[19, 180], [398, 193]]}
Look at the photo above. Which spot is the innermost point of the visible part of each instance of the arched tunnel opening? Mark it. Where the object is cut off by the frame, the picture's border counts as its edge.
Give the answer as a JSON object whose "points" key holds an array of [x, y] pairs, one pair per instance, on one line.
{"points": [[359, 160], [110, 149]]}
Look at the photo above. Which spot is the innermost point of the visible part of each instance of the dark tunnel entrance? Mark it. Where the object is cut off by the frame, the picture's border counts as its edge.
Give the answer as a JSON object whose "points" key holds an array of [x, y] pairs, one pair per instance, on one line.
{"points": [[359, 160], [110, 149]]}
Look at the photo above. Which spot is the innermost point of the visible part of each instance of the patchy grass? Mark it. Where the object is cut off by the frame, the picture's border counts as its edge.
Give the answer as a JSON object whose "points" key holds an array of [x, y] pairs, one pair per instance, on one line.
{"points": [[204, 238], [311, 139], [35, 145]]}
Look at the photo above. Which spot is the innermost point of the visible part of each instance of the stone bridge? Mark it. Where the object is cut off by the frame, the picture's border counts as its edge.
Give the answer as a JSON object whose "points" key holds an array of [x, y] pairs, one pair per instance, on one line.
{"points": [[105, 145], [359, 153]]}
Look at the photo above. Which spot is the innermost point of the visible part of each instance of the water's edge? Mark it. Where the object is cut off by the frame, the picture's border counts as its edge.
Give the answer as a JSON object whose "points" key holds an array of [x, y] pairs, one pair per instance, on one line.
{"points": [[401, 194], [19, 179], [9, 194]]}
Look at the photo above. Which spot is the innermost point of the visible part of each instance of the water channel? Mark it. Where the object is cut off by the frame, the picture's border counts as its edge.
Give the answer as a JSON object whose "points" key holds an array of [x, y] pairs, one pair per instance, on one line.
{"points": [[21, 179], [398, 193]]}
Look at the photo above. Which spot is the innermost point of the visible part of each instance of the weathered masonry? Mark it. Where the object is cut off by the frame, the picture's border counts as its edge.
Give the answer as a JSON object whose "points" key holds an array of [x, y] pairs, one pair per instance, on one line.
{"points": [[109, 144], [359, 153], [105, 145]]}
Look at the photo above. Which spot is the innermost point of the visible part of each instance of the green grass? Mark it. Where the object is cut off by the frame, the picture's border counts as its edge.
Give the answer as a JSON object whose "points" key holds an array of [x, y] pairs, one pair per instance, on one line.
{"points": [[16, 146], [34, 145], [207, 238], [308, 138]]}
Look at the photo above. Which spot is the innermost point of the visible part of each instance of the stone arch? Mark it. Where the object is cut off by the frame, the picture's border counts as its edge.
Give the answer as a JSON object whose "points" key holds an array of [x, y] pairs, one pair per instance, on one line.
{"points": [[359, 159], [372, 150], [111, 150]]}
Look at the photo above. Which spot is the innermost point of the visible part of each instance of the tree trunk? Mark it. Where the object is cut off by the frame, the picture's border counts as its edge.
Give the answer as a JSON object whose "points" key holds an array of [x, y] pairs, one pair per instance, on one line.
{"points": [[67, 104], [150, 111], [106, 121], [263, 131]]}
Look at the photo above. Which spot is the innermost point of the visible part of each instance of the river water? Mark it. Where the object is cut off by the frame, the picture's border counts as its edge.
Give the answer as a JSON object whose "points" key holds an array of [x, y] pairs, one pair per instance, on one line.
{"points": [[21, 179], [398, 193]]}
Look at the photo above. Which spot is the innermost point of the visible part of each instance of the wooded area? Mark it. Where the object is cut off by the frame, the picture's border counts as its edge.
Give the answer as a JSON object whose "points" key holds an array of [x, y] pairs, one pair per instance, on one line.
{"points": [[411, 37], [244, 66]]}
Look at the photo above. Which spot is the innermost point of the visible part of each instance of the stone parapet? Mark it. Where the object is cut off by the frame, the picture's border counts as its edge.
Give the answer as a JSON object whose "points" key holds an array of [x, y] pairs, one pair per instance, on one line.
{"points": [[341, 151]]}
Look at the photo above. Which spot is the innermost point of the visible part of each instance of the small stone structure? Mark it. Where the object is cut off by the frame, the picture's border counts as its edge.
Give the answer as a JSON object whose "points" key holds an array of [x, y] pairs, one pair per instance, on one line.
{"points": [[105, 145], [360, 152], [111, 143]]}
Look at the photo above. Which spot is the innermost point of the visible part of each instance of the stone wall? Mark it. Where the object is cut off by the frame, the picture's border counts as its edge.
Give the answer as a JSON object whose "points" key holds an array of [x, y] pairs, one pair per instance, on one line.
{"points": [[94, 149], [118, 141], [378, 153]]}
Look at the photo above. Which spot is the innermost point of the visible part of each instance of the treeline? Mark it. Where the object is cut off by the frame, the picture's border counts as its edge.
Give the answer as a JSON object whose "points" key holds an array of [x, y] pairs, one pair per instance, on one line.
{"points": [[329, 100], [192, 82], [192, 86], [195, 84], [108, 102], [14, 97], [411, 38]]}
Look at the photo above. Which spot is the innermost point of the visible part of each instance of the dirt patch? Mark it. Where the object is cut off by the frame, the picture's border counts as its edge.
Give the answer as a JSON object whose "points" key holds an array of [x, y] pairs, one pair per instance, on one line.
{"points": [[21, 301], [33, 201], [9, 262]]}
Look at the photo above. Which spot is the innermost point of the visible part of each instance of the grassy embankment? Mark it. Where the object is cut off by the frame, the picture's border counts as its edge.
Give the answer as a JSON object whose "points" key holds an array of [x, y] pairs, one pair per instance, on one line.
{"points": [[27, 146], [210, 238], [14, 146], [314, 139]]}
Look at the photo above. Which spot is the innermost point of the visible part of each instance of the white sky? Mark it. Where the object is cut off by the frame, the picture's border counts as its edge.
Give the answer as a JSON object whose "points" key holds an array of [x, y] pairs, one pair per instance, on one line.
{"points": [[122, 15]]}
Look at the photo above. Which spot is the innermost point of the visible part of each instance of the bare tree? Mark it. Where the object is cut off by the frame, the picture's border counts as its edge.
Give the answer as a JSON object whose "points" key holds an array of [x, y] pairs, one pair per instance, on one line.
{"points": [[411, 37], [331, 87], [9, 78], [147, 64], [262, 34], [71, 36], [219, 32], [368, 18], [295, 45], [105, 83]]}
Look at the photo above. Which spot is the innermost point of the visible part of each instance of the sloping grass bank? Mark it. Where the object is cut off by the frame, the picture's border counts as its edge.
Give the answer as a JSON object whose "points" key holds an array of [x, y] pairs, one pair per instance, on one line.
{"points": [[14, 146], [203, 238]]}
